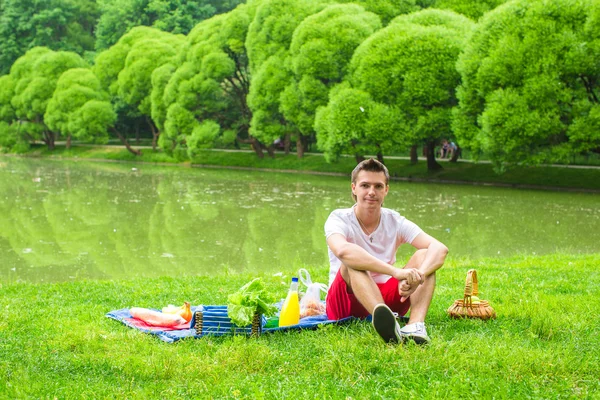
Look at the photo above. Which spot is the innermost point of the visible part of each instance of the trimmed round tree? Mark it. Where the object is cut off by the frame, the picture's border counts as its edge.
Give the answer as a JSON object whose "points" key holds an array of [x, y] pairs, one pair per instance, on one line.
{"points": [[126, 68], [74, 89], [530, 83], [210, 82], [268, 42], [321, 49], [408, 71], [35, 75], [353, 123]]}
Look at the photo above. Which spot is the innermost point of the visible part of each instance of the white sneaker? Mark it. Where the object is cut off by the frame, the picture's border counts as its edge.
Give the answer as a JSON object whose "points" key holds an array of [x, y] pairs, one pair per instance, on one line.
{"points": [[416, 332], [384, 322]]}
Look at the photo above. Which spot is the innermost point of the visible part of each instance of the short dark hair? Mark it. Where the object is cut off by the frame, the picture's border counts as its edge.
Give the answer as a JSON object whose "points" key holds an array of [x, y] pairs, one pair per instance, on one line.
{"points": [[371, 165]]}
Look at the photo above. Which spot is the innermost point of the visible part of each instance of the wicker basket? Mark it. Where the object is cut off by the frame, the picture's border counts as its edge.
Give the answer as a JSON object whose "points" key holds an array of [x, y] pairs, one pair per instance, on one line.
{"points": [[213, 320], [465, 308]]}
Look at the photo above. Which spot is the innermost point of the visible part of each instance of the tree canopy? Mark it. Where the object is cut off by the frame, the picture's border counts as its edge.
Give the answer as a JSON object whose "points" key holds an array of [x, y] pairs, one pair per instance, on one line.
{"points": [[210, 82], [35, 75], [530, 77], [57, 24], [516, 81], [125, 71], [79, 108], [387, 9], [175, 16], [268, 41], [320, 51], [468, 8], [402, 78]]}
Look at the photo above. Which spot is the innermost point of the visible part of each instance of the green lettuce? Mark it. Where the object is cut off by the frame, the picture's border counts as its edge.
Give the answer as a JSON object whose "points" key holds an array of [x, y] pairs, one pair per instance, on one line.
{"points": [[251, 298]]}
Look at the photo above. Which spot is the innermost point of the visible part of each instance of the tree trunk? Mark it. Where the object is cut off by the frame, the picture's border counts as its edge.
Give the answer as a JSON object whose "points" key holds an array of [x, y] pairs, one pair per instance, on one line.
{"points": [[456, 154], [380, 157], [414, 158], [271, 151], [155, 133], [49, 139], [68, 142], [432, 164], [126, 143], [299, 146], [137, 132], [359, 158], [257, 147], [287, 141]]}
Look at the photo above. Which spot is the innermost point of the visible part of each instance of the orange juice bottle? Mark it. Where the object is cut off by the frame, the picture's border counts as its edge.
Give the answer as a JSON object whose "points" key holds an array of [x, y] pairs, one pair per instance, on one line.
{"points": [[290, 311]]}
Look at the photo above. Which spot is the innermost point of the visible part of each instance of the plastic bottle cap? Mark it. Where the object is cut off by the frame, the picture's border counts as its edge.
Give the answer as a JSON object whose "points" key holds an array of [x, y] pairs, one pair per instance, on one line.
{"points": [[294, 279]]}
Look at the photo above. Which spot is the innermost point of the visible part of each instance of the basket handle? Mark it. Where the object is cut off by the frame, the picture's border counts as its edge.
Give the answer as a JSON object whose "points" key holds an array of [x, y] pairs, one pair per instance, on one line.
{"points": [[471, 285]]}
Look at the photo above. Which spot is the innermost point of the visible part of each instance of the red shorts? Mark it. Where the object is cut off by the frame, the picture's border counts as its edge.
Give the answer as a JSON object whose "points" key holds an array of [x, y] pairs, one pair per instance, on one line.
{"points": [[341, 303]]}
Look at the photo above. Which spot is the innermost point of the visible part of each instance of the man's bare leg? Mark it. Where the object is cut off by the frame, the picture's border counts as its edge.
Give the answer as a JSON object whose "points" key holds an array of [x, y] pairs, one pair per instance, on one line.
{"points": [[367, 293], [420, 300], [363, 287]]}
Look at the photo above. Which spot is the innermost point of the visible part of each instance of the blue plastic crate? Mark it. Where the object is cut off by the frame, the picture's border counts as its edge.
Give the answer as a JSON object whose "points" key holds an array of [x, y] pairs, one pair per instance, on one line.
{"points": [[213, 320]]}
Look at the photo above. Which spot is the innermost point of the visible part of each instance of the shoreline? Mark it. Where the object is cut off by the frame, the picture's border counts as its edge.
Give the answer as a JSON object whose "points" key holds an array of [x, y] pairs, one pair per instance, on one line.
{"points": [[400, 169]]}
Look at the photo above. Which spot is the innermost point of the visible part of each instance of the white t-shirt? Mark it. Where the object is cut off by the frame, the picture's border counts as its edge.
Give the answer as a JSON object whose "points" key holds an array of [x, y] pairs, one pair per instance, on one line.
{"points": [[393, 230]]}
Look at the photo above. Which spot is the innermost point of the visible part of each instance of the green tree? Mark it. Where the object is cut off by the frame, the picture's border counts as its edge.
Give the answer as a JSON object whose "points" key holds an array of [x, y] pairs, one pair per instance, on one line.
{"points": [[175, 16], [35, 75], [125, 71], [135, 79], [530, 77], [402, 86], [354, 123], [79, 107], [320, 51], [210, 83], [66, 25], [268, 41]]}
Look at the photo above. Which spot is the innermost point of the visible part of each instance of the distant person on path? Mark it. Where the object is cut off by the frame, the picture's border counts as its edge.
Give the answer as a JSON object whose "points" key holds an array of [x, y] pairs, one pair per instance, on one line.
{"points": [[444, 149], [362, 243], [452, 148]]}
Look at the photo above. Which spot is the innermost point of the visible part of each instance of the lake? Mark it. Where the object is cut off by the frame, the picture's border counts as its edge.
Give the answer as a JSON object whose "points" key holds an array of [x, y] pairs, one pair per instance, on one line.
{"points": [[64, 221]]}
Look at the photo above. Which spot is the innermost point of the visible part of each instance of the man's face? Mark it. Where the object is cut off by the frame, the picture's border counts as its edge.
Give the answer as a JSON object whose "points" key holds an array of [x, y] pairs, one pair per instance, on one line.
{"points": [[370, 189]]}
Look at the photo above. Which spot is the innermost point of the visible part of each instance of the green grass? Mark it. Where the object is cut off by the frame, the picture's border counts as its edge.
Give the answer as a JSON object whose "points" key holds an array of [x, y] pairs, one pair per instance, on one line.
{"points": [[56, 343], [461, 172]]}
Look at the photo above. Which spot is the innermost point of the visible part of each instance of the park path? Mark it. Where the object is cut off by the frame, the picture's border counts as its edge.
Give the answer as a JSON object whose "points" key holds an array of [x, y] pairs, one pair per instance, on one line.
{"points": [[321, 154]]}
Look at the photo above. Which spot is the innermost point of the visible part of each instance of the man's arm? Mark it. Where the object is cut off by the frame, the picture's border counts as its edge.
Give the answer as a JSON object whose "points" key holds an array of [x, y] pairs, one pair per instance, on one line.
{"points": [[355, 257], [434, 259], [435, 256]]}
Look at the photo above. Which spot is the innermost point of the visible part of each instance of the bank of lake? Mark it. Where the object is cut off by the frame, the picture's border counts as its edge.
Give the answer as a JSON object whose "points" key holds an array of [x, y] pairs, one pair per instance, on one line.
{"points": [[462, 172]]}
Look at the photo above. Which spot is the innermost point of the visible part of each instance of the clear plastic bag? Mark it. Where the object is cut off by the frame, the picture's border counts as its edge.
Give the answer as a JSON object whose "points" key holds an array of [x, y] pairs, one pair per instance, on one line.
{"points": [[311, 304]]}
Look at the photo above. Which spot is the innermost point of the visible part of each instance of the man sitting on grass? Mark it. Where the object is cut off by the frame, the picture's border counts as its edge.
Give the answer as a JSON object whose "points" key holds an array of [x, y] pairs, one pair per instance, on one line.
{"points": [[362, 243]]}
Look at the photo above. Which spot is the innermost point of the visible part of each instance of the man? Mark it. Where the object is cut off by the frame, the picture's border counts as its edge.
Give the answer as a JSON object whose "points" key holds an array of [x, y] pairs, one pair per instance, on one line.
{"points": [[452, 148], [362, 243], [444, 149]]}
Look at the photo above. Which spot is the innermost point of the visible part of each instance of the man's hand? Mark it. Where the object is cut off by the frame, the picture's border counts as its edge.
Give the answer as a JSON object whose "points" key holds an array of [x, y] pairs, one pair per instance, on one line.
{"points": [[411, 275], [405, 289], [409, 280]]}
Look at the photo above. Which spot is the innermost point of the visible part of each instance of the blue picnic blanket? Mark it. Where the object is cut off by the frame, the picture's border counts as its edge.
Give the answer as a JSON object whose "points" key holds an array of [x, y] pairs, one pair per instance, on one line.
{"points": [[215, 323]]}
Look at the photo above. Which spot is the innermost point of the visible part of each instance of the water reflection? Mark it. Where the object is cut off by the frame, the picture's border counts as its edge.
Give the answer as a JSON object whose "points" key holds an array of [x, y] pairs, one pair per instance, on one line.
{"points": [[65, 221]]}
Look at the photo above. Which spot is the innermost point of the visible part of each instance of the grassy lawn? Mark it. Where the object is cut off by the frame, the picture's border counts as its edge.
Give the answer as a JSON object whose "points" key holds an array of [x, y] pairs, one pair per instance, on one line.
{"points": [[56, 343], [463, 172]]}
